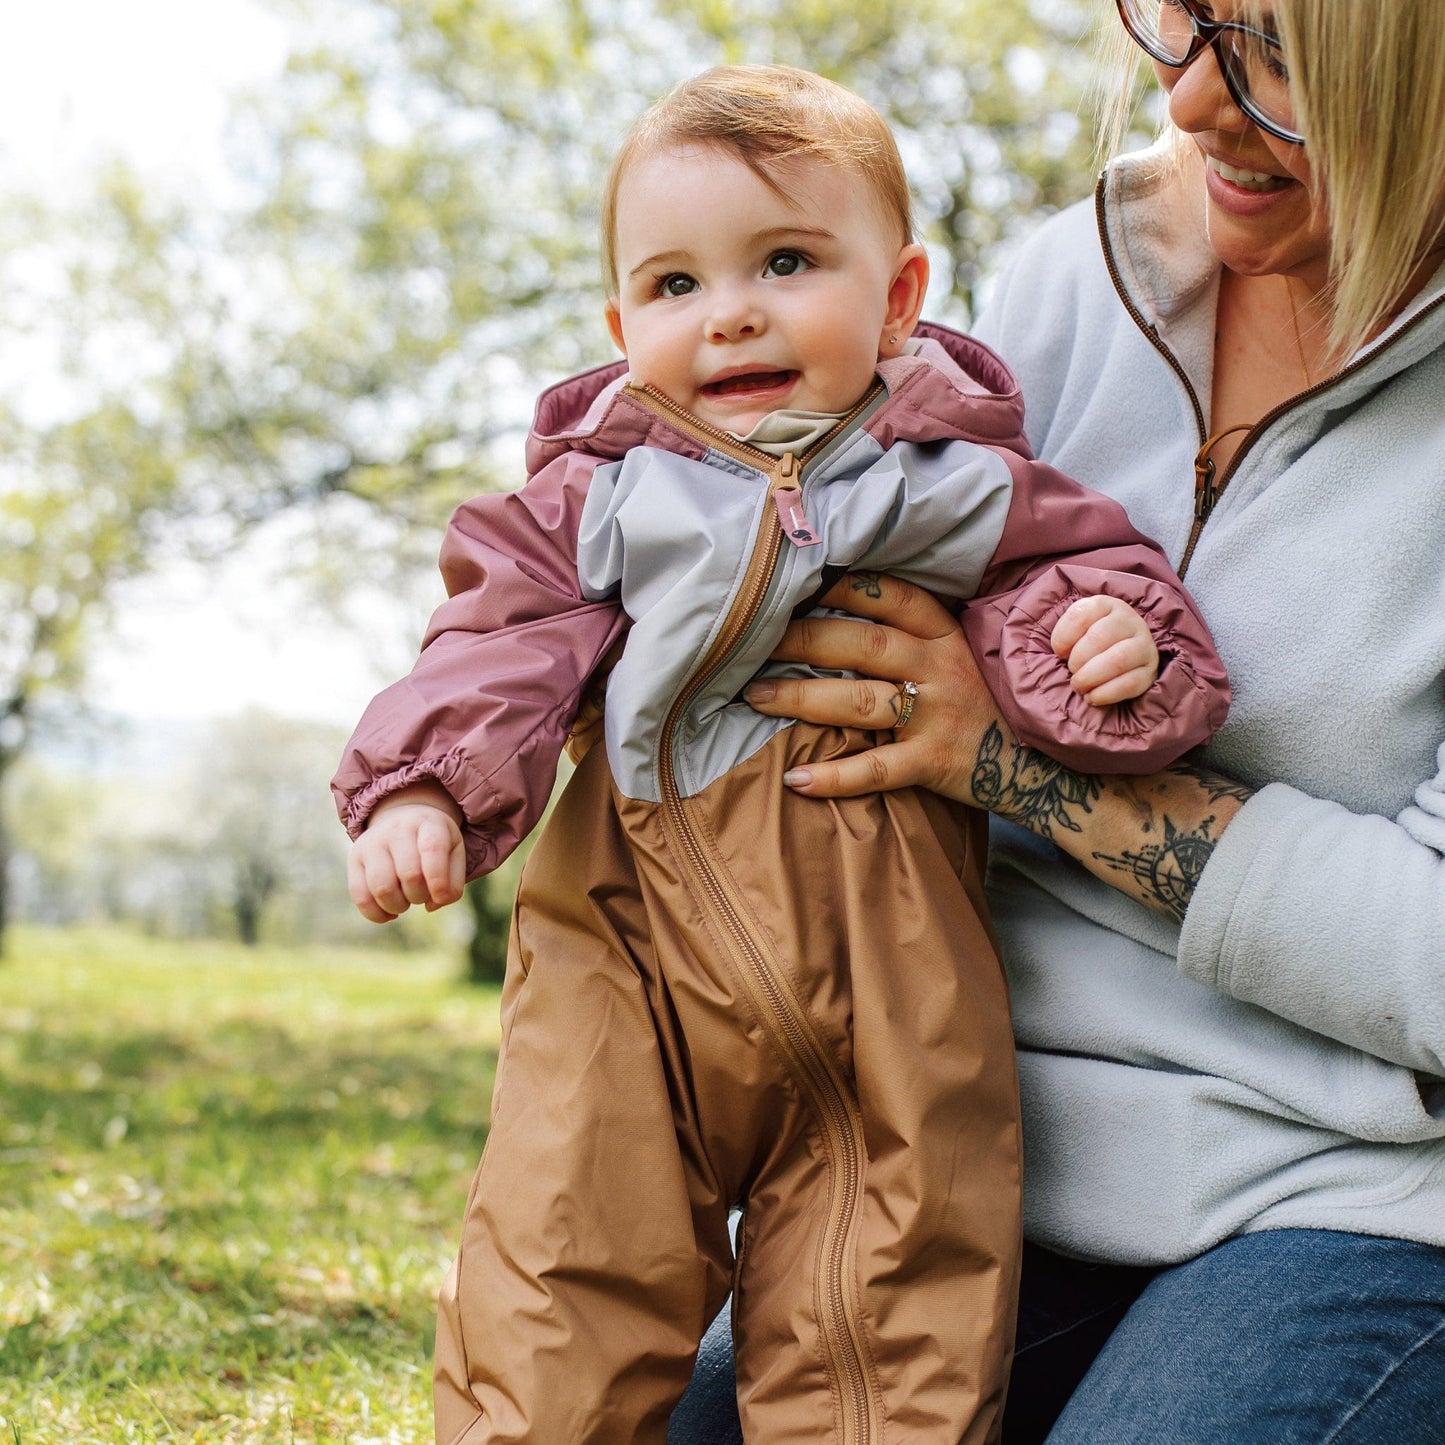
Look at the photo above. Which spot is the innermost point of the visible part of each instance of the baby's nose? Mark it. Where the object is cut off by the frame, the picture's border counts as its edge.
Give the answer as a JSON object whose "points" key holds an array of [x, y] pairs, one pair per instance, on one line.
{"points": [[733, 315]]}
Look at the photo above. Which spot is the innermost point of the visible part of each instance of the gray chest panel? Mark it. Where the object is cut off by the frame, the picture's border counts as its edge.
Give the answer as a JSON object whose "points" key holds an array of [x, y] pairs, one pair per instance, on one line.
{"points": [[672, 537]]}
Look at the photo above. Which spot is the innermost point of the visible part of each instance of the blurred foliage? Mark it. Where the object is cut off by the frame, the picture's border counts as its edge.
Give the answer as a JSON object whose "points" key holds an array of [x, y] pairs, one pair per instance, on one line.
{"points": [[432, 170]]}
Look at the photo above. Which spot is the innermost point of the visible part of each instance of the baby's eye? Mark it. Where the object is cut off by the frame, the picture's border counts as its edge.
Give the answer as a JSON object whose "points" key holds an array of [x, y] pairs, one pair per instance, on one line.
{"points": [[676, 285], [786, 263]]}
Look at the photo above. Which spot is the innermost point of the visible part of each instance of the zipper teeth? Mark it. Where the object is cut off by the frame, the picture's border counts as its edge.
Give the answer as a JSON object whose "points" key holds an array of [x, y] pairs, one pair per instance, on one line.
{"points": [[843, 1345], [1270, 417]]}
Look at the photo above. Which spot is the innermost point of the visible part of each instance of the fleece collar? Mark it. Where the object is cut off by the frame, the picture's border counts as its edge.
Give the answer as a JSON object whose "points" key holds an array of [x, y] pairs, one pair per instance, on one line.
{"points": [[1150, 212]]}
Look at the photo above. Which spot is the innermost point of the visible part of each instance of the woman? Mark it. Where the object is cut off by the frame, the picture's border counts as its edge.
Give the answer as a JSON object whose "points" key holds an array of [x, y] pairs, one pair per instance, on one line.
{"points": [[1228, 980]]}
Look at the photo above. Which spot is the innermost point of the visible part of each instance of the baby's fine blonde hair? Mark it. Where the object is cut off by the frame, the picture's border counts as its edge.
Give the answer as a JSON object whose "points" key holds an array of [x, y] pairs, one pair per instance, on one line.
{"points": [[766, 115]]}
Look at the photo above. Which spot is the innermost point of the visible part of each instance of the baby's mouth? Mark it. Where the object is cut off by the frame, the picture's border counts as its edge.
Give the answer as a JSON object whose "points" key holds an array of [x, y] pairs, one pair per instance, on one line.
{"points": [[749, 381]]}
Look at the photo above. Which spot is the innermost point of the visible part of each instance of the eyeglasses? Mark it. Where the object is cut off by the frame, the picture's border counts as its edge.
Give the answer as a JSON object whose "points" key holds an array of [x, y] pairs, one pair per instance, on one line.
{"points": [[1251, 61]]}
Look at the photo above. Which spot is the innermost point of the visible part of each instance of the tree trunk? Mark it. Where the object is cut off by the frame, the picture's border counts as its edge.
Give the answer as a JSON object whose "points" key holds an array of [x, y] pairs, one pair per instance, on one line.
{"points": [[491, 925], [248, 921], [255, 884]]}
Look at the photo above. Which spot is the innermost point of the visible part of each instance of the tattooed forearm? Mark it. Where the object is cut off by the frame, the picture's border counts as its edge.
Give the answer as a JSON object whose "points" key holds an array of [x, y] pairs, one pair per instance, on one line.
{"points": [[1216, 785], [1150, 837], [1166, 873], [1030, 788]]}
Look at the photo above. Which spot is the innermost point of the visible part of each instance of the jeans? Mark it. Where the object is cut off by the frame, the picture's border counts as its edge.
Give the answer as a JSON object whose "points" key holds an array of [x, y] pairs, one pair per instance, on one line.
{"points": [[1289, 1337]]}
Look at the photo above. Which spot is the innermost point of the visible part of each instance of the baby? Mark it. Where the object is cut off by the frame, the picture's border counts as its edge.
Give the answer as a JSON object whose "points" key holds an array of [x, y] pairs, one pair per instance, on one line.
{"points": [[720, 993]]}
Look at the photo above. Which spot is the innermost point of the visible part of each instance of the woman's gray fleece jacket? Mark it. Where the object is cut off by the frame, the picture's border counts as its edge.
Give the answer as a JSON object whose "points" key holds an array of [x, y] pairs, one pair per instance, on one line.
{"points": [[1279, 1061]]}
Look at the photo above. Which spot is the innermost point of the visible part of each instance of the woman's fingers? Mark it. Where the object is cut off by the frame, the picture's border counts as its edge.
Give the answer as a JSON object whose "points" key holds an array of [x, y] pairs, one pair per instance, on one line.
{"points": [[886, 599], [854, 702], [891, 765]]}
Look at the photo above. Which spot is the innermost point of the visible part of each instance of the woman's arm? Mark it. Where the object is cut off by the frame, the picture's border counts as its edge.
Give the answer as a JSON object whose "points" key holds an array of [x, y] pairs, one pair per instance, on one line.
{"points": [[1149, 837]]}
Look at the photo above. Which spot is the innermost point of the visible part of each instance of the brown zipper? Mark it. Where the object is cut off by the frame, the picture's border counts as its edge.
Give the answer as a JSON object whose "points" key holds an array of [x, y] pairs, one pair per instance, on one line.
{"points": [[774, 997], [1207, 491]]}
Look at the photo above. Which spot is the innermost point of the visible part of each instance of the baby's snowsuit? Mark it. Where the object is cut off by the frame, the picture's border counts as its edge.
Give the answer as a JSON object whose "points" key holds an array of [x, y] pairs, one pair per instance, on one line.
{"points": [[719, 992]]}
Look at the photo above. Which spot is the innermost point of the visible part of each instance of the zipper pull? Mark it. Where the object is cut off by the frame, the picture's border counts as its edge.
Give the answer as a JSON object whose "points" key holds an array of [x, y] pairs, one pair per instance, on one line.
{"points": [[1204, 493], [788, 497]]}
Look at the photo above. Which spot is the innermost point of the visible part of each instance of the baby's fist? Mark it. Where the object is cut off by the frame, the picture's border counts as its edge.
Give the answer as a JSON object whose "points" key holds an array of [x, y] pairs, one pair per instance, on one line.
{"points": [[411, 852], [1109, 650]]}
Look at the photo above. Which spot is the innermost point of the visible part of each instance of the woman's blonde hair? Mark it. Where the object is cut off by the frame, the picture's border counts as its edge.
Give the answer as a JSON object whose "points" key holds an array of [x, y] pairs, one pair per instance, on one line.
{"points": [[766, 115], [1368, 81]]}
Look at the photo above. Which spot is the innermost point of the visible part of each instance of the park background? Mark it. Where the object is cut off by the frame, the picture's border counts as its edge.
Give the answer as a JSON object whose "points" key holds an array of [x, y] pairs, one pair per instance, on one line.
{"points": [[279, 281]]}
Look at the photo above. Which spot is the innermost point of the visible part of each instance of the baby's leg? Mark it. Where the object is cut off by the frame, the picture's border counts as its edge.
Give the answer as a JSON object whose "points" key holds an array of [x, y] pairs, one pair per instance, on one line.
{"points": [[593, 1253], [878, 1262]]}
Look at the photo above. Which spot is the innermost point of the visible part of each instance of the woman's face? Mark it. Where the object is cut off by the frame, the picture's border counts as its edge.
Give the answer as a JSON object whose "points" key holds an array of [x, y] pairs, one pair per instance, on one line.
{"points": [[1263, 211]]}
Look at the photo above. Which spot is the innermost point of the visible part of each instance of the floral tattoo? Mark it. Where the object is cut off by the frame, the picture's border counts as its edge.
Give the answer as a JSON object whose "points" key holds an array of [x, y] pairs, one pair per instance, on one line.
{"points": [[1031, 788]]}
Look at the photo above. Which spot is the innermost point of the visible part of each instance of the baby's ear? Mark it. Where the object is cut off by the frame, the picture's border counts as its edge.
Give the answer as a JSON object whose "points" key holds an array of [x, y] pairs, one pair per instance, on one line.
{"points": [[613, 315], [905, 299]]}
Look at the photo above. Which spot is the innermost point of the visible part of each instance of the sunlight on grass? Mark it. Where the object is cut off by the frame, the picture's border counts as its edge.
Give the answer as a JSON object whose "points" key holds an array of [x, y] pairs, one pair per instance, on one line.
{"points": [[230, 1182]]}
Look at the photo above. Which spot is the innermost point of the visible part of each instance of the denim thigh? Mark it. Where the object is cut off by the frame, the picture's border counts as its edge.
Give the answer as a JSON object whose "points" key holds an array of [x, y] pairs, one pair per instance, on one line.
{"points": [[1292, 1337]]}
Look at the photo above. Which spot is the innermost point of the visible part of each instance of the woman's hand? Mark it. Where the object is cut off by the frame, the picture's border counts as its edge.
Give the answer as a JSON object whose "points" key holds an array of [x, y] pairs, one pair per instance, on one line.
{"points": [[1149, 837], [902, 635]]}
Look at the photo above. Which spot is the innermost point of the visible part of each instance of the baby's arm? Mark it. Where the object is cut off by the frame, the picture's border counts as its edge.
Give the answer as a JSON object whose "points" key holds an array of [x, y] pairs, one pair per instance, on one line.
{"points": [[1109, 650], [485, 711], [1062, 546], [410, 852]]}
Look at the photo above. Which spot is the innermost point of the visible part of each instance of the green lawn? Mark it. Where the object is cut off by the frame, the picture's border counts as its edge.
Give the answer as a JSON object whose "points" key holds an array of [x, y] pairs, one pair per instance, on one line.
{"points": [[230, 1182]]}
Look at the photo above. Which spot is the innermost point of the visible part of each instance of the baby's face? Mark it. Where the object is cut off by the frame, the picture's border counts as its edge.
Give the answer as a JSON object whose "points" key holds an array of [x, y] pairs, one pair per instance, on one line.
{"points": [[735, 301]]}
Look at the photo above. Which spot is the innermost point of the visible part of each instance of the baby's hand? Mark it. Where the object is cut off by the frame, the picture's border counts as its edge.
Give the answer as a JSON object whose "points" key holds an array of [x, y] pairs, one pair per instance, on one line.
{"points": [[411, 852], [1109, 649]]}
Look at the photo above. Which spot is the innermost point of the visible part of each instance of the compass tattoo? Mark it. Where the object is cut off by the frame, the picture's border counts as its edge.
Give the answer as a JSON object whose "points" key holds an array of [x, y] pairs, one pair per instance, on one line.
{"points": [[1167, 872], [1164, 868]]}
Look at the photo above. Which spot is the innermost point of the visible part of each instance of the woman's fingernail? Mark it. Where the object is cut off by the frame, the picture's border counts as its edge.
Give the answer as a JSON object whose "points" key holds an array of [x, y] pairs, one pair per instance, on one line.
{"points": [[797, 777], [760, 691]]}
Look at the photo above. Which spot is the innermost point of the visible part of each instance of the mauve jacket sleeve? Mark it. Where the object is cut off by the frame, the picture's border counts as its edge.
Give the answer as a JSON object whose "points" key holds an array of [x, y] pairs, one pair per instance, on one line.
{"points": [[1029, 583], [502, 671]]}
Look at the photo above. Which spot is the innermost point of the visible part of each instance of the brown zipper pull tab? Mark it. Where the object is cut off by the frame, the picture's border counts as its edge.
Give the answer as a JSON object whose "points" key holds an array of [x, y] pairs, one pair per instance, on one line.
{"points": [[788, 497], [1206, 494]]}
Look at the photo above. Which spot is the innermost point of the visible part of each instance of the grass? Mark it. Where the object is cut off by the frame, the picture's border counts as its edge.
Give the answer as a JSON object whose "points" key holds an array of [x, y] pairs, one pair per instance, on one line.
{"points": [[230, 1183]]}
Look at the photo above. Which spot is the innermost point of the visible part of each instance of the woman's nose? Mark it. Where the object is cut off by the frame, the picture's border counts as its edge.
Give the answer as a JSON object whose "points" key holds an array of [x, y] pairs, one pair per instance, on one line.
{"points": [[1200, 100]]}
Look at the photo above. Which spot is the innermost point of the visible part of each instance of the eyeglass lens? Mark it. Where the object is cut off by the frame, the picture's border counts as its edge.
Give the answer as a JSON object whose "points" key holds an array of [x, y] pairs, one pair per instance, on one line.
{"points": [[1255, 63]]}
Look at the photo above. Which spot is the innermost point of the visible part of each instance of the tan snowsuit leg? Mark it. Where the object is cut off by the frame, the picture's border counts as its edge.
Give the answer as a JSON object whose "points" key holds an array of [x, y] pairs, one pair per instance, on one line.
{"points": [[870, 912], [594, 1251], [874, 1298]]}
